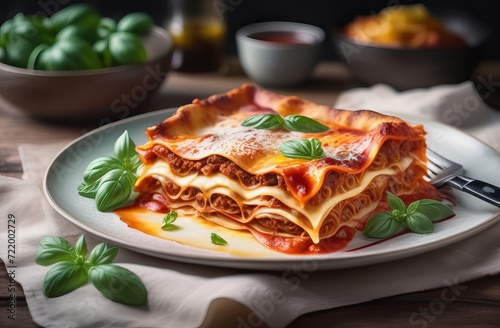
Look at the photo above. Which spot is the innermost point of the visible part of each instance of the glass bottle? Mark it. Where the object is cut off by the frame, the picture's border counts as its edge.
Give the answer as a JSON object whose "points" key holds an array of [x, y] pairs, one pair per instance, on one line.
{"points": [[199, 33]]}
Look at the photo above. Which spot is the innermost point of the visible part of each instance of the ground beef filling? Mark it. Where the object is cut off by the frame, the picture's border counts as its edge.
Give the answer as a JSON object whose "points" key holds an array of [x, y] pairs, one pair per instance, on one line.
{"points": [[214, 164], [333, 183]]}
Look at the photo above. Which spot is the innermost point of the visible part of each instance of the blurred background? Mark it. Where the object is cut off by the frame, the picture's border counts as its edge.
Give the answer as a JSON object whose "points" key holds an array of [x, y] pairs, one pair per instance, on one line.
{"points": [[326, 14]]}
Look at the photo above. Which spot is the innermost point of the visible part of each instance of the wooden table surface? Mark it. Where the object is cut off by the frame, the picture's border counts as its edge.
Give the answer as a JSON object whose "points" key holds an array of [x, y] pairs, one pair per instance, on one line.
{"points": [[477, 303]]}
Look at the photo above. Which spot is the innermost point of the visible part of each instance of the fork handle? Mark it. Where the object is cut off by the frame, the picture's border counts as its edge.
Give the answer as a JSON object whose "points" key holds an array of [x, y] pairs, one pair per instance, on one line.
{"points": [[477, 188]]}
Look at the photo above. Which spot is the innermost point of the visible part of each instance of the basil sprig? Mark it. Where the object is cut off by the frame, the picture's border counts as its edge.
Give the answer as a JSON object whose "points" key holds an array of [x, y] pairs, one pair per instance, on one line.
{"points": [[297, 123], [110, 180], [302, 149], [298, 148], [73, 269], [417, 217]]}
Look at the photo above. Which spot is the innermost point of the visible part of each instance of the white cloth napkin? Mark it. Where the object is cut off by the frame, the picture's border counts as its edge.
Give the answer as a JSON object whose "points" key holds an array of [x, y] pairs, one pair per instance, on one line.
{"points": [[182, 295], [461, 106]]}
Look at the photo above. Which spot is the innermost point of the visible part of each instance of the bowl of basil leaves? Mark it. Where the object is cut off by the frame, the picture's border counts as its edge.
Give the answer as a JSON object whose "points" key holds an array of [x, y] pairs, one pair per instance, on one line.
{"points": [[77, 65]]}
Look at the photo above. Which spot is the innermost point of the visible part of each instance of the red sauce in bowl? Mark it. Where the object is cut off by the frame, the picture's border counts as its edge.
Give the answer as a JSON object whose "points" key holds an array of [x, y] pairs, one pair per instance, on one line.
{"points": [[284, 37]]}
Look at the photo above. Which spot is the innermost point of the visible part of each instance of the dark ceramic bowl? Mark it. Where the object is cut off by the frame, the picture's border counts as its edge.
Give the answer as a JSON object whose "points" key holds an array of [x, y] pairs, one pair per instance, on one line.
{"points": [[107, 93], [408, 68]]}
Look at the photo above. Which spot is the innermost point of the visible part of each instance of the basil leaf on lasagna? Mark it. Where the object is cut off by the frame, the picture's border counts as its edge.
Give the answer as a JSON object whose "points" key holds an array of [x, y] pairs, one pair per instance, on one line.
{"points": [[302, 149], [264, 122], [300, 123]]}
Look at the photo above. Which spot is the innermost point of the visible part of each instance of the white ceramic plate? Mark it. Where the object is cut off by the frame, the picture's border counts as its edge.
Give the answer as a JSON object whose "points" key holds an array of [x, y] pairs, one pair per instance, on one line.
{"points": [[66, 171]]}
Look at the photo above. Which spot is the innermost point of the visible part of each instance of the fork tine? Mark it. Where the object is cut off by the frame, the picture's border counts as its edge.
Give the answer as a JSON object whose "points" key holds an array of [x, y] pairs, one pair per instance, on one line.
{"points": [[433, 167], [437, 159], [440, 169]]}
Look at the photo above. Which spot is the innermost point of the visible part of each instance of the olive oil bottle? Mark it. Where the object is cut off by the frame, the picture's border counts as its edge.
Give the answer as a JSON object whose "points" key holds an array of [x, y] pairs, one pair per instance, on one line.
{"points": [[199, 34]]}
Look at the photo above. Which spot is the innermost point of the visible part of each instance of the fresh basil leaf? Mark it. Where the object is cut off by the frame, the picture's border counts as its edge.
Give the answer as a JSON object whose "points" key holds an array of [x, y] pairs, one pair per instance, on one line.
{"points": [[124, 150], [49, 256], [396, 203], [170, 217], [127, 48], [434, 210], [73, 31], [217, 240], [63, 278], [136, 22], [115, 188], [304, 124], [53, 250], [118, 284], [264, 122], [102, 49], [168, 221], [105, 27], [133, 164], [88, 190], [170, 227], [82, 15], [81, 246], [302, 149], [56, 242], [381, 225], [99, 167], [68, 55], [419, 223], [413, 207], [103, 254]]}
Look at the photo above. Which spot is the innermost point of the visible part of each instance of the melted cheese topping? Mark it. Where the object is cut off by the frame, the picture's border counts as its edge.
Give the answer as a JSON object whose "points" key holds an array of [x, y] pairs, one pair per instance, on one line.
{"points": [[212, 127]]}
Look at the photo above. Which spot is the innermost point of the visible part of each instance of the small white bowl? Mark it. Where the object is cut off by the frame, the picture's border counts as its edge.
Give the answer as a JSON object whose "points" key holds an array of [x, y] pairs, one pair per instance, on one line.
{"points": [[279, 54]]}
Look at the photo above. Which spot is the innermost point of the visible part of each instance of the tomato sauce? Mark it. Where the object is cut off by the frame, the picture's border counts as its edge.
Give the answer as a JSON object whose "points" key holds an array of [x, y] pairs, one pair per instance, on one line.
{"points": [[300, 245], [147, 212], [284, 37]]}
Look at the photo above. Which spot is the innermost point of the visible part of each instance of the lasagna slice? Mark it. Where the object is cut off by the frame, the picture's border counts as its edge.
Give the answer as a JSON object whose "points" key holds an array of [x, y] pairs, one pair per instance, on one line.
{"points": [[202, 161]]}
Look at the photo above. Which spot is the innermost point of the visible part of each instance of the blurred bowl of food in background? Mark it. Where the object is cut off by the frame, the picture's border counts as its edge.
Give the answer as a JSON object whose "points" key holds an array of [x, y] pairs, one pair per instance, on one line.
{"points": [[279, 54], [78, 66], [409, 47]]}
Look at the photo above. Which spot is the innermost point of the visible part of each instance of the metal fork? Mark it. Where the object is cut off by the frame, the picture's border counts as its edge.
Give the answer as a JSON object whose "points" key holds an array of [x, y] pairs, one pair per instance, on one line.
{"points": [[441, 171]]}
